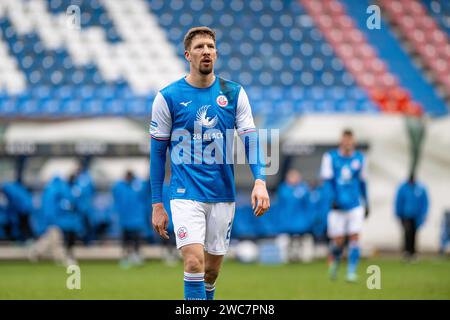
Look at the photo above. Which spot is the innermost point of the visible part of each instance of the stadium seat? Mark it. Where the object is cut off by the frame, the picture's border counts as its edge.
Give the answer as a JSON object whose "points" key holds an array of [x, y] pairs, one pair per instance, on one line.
{"points": [[423, 34]]}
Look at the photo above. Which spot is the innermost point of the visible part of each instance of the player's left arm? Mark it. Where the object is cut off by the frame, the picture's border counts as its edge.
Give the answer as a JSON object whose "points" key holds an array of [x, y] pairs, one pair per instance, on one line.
{"points": [[160, 131], [363, 187], [327, 176], [247, 132]]}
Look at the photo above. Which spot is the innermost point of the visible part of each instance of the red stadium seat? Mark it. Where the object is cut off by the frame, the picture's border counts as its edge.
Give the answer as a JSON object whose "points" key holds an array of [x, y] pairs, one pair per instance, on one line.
{"points": [[422, 33], [378, 66]]}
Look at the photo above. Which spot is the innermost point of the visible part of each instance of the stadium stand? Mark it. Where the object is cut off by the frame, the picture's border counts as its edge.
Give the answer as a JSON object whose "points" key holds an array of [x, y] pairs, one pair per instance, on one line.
{"points": [[397, 60], [440, 11], [287, 42], [425, 37], [370, 72], [120, 57], [111, 70], [124, 52]]}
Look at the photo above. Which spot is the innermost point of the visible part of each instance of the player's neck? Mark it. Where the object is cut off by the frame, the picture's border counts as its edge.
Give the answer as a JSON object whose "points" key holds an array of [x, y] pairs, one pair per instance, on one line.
{"points": [[200, 80], [346, 153]]}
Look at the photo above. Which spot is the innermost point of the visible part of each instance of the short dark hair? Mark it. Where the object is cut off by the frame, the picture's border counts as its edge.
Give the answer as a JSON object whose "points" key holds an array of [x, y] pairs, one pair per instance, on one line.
{"points": [[347, 132], [197, 31]]}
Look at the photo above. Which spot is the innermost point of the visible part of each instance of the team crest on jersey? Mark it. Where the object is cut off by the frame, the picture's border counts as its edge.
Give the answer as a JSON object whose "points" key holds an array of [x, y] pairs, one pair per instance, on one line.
{"points": [[355, 164], [222, 100], [182, 233], [204, 120]]}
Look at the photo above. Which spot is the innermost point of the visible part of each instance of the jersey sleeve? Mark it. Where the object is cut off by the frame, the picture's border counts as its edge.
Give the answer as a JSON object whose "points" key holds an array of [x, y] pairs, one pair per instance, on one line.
{"points": [[244, 118], [247, 132], [363, 171], [326, 168], [161, 124]]}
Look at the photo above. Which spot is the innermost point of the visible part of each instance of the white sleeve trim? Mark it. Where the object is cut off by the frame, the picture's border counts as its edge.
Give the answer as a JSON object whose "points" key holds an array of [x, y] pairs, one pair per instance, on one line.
{"points": [[326, 168], [161, 123], [244, 117]]}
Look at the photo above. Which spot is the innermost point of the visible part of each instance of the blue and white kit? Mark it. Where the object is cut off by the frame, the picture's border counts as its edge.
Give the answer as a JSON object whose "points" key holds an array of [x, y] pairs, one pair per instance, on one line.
{"points": [[346, 179], [194, 122]]}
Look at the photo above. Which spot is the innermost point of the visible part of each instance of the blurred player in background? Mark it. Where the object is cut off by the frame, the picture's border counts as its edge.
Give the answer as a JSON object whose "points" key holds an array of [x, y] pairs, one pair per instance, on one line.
{"points": [[411, 207], [202, 195], [127, 195], [344, 171]]}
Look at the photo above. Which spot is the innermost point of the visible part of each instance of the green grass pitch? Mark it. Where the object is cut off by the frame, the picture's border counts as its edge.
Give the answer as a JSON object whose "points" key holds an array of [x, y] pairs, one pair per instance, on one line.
{"points": [[427, 279]]}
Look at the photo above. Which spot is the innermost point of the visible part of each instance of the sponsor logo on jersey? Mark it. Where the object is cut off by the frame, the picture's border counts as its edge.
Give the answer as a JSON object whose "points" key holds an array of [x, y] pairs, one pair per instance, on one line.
{"points": [[222, 101], [185, 104], [204, 120], [182, 233]]}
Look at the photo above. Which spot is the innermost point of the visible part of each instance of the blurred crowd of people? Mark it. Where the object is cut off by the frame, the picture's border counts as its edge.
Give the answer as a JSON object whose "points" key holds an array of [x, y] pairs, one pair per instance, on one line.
{"points": [[65, 214]]}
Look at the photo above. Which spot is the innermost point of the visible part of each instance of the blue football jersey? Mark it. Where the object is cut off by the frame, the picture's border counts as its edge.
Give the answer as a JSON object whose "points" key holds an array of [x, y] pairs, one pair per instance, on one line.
{"points": [[198, 122], [345, 173]]}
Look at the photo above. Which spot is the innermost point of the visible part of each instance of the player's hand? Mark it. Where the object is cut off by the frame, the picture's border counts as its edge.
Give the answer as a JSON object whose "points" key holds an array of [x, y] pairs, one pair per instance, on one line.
{"points": [[366, 212], [160, 220], [260, 198]]}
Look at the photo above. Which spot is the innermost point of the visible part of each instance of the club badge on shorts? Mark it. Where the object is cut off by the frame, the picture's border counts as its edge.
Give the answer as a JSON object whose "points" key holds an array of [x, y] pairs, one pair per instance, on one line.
{"points": [[222, 101], [182, 233]]}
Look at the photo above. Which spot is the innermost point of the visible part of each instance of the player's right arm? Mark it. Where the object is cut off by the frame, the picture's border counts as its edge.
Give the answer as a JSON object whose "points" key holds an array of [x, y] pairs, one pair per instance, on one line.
{"points": [[327, 175], [160, 129]]}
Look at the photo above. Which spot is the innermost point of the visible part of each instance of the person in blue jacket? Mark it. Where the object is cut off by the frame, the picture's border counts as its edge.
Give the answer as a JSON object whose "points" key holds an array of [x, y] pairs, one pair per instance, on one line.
{"points": [[59, 208], [411, 207], [320, 205], [293, 204], [19, 208], [3, 218], [84, 191], [68, 216], [49, 201], [146, 199], [128, 204], [445, 232]]}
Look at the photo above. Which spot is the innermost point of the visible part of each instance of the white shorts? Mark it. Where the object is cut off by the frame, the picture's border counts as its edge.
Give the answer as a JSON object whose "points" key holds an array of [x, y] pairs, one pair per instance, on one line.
{"points": [[343, 223], [206, 223]]}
